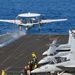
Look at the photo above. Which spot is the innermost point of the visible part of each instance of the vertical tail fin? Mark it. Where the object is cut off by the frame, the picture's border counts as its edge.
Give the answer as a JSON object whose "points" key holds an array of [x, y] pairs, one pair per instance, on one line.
{"points": [[73, 41], [71, 56], [54, 41], [52, 47], [70, 37], [72, 53]]}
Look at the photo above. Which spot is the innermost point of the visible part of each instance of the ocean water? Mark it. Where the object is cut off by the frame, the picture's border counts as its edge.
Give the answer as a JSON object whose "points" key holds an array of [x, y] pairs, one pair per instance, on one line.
{"points": [[52, 9]]}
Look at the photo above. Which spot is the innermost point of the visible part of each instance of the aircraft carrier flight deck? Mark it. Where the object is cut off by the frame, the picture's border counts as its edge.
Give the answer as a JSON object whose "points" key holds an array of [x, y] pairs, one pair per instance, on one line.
{"points": [[16, 55]]}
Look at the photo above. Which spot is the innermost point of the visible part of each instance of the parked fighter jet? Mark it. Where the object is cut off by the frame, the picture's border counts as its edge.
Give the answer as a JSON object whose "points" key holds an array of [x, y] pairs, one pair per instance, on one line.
{"points": [[63, 66], [30, 19], [53, 57], [62, 46]]}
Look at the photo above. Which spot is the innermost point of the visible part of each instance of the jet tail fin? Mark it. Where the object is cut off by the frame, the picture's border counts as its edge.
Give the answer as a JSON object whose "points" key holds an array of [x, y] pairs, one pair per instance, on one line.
{"points": [[72, 53], [52, 47], [70, 37], [54, 40], [71, 56]]}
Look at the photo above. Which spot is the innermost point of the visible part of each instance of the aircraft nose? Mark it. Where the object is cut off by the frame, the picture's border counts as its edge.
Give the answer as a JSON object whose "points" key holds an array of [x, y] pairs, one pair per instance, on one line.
{"points": [[42, 61], [45, 53], [36, 70]]}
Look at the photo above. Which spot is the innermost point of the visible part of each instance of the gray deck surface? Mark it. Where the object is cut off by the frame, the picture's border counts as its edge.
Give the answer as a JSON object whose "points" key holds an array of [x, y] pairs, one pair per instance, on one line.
{"points": [[5, 37], [16, 55]]}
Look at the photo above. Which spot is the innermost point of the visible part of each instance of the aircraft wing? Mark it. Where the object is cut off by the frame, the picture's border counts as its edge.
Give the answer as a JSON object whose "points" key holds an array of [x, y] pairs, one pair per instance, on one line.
{"points": [[43, 21], [47, 21], [69, 68], [11, 21], [55, 20], [67, 64], [46, 68]]}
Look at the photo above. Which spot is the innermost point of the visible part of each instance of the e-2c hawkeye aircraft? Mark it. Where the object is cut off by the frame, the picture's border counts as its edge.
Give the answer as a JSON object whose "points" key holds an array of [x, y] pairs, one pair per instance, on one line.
{"points": [[30, 19]]}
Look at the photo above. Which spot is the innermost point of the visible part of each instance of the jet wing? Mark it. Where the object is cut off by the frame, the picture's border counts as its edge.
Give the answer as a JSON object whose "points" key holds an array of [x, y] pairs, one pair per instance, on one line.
{"points": [[67, 67], [55, 20], [73, 66]]}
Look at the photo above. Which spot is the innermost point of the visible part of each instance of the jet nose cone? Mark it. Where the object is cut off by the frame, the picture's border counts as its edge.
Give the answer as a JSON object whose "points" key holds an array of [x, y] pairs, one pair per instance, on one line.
{"points": [[42, 61], [36, 70], [45, 53]]}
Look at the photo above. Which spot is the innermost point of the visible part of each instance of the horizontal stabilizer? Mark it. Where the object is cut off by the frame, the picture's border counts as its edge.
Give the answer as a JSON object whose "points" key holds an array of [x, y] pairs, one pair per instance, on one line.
{"points": [[73, 66]]}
